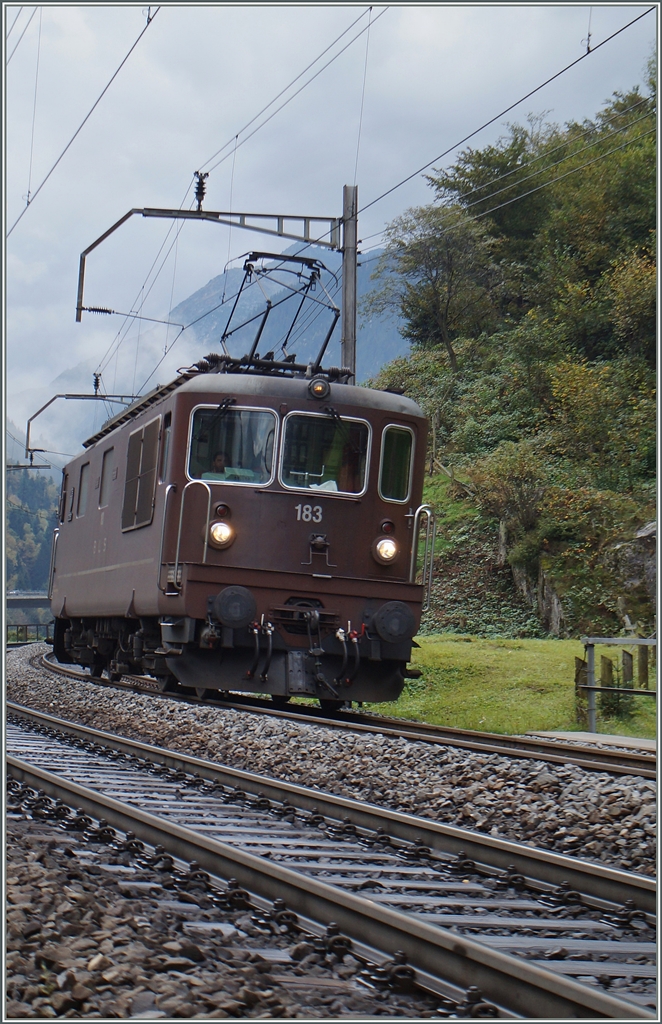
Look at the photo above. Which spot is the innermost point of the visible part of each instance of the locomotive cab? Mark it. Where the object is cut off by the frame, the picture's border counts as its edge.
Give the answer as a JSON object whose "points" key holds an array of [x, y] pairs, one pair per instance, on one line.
{"points": [[248, 531]]}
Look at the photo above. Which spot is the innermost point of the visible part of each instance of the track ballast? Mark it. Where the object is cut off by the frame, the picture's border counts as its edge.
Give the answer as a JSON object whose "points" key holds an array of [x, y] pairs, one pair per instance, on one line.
{"points": [[411, 892]]}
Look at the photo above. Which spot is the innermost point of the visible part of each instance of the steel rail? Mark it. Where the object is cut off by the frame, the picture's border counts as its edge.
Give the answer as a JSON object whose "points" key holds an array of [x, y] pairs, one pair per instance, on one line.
{"points": [[605, 886], [523, 988], [616, 762]]}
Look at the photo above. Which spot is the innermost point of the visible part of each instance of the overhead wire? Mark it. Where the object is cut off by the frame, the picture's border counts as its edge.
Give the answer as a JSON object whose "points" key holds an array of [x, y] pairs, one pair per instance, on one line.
{"points": [[21, 35], [547, 167], [295, 94], [507, 110], [514, 199], [34, 108], [13, 23], [133, 315], [560, 177], [365, 74], [224, 301], [172, 285], [22, 443], [186, 327], [373, 202], [283, 91], [546, 153], [37, 455], [234, 161], [28, 511], [135, 362], [604, 41], [85, 119], [235, 138], [563, 145]]}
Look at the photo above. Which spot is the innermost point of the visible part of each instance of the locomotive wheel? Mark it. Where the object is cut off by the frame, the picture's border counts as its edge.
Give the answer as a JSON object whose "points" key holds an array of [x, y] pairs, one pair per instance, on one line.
{"points": [[331, 705], [96, 669], [279, 700], [167, 684]]}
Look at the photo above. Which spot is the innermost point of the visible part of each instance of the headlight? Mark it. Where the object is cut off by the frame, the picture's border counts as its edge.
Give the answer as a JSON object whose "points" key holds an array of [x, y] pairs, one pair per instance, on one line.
{"points": [[221, 535], [319, 387], [385, 550]]}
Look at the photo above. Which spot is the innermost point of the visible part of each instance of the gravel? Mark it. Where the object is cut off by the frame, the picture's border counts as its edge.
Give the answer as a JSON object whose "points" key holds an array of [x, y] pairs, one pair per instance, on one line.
{"points": [[600, 817], [78, 946]]}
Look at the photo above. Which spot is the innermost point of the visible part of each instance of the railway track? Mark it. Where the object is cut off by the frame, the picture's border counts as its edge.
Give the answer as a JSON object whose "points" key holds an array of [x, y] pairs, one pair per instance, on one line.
{"points": [[616, 762], [524, 925]]}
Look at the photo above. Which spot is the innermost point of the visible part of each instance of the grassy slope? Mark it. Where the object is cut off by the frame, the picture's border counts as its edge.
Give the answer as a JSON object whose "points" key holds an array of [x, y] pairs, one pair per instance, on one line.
{"points": [[503, 685], [507, 676], [471, 593]]}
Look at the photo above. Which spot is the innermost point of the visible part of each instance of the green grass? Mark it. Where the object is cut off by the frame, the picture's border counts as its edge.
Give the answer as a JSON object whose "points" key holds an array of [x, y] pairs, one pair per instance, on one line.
{"points": [[452, 513], [504, 686]]}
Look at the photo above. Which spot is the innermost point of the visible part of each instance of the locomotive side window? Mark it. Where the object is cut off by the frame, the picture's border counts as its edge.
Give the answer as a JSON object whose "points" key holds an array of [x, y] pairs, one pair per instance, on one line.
{"points": [[138, 505], [83, 487], [232, 445], [63, 496], [396, 464], [165, 445], [325, 453], [107, 466]]}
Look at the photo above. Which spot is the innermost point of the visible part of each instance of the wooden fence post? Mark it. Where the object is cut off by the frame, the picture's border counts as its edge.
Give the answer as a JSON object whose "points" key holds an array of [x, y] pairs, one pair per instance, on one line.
{"points": [[642, 666], [608, 701], [581, 699], [626, 704]]}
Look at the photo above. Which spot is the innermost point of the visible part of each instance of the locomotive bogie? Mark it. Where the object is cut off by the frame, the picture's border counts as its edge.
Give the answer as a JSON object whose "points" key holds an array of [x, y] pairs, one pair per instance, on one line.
{"points": [[236, 532]]}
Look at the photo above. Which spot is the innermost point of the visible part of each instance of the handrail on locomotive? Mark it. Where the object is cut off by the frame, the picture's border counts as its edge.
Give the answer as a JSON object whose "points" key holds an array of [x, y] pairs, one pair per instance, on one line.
{"points": [[191, 483], [428, 552]]}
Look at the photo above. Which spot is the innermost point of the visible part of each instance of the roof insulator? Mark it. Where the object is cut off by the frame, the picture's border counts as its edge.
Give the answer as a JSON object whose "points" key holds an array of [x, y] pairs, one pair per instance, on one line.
{"points": [[200, 187]]}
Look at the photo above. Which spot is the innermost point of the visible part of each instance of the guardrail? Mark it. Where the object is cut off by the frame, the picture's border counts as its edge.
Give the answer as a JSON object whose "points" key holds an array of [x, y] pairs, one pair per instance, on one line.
{"points": [[590, 687], [29, 633]]}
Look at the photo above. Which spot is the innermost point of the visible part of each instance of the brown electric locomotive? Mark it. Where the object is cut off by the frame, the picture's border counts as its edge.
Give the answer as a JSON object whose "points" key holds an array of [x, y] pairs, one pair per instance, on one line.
{"points": [[252, 526]]}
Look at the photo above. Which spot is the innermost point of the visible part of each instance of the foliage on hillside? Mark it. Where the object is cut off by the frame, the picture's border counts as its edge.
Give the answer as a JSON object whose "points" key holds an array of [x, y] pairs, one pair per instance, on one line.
{"points": [[31, 516], [535, 357], [472, 592]]}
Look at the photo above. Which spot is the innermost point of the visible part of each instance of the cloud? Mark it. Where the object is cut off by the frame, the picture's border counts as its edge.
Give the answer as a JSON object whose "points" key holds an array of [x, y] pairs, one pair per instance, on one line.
{"points": [[198, 75]]}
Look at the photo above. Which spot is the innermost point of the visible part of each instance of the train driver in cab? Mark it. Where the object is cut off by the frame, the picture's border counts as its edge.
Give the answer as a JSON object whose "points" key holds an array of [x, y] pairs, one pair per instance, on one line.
{"points": [[219, 465]]}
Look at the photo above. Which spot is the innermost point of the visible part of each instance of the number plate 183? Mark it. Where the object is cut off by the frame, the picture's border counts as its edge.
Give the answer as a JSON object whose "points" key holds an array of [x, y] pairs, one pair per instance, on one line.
{"points": [[308, 513]]}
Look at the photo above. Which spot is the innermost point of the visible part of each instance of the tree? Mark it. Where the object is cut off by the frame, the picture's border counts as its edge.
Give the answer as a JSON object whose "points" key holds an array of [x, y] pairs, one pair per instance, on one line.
{"points": [[439, 272], [510, 483], [485, 181], [633, 285], [30, 518]]}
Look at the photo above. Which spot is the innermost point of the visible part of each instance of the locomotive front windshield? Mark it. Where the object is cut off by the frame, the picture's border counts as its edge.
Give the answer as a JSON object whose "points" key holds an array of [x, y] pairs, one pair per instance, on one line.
{"points": [[232, 445], [325, 453]]}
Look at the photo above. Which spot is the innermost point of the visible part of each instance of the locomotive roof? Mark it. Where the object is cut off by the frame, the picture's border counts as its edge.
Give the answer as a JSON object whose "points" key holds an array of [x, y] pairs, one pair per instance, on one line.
{"points": [[262, 386]]}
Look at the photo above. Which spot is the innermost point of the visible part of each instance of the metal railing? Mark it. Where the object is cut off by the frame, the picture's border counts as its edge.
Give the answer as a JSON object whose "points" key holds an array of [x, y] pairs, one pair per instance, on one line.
{"points": [[168, 491], [192, 483], [590, 687], [29, 632], [428, 551], [51, 567]]}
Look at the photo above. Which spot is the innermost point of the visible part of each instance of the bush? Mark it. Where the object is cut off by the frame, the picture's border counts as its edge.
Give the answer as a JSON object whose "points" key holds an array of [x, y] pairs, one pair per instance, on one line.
{"points": [[510, 483], [603, 416], [593, 516]]}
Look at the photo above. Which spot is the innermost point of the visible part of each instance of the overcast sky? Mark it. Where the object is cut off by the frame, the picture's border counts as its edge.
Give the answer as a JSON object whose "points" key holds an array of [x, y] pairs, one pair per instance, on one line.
{"points": [[434, 73]]}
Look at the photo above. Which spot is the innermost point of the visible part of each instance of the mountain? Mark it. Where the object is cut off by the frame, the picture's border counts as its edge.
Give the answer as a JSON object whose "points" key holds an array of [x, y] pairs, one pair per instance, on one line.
{"points": [[64, 425], [378, 341]]}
